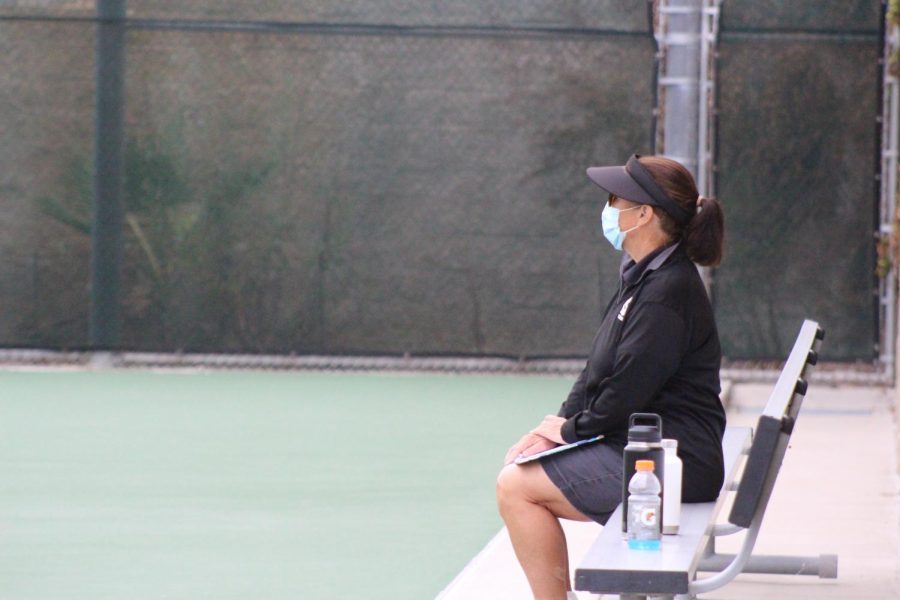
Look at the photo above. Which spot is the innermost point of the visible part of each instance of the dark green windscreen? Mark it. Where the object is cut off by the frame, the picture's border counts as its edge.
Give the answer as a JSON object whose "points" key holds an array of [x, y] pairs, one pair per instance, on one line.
{"points": [[335, 185], [797, 166], [396, 176]]}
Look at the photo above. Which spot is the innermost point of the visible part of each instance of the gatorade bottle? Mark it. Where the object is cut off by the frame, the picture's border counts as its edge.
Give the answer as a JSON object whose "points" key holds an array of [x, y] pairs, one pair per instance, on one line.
{"points": [[644, 531], [644, 443]]}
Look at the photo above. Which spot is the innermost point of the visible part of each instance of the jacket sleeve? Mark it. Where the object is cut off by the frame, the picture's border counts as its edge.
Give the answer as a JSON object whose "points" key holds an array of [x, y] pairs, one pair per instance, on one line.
{"points": [[574, 402], [648, 354]]}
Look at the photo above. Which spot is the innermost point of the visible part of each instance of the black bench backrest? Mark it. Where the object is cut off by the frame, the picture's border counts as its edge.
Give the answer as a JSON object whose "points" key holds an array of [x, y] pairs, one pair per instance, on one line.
{"points": [[773, 431]]}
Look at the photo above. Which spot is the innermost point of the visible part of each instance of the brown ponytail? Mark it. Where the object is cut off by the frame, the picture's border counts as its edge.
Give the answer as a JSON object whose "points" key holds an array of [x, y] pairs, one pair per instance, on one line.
{"points": [[704, 235], [705, 232]]}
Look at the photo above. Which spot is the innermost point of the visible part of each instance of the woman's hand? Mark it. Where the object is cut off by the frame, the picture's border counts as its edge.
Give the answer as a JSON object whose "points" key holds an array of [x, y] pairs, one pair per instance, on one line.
{"points": [[531, 443], [543, 437], [551, 429]]}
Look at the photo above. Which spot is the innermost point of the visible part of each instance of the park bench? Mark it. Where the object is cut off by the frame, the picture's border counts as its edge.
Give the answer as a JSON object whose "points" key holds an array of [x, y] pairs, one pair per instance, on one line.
{"points": [[609, 567]]}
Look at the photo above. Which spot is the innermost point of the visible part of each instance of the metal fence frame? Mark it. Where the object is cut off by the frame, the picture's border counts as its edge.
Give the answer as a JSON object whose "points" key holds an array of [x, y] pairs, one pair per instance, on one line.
{"points": [[887, 188]]}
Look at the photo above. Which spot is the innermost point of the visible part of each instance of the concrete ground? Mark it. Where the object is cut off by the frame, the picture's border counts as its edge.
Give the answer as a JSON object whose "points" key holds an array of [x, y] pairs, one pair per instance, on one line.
{"points": [[838, 492]]}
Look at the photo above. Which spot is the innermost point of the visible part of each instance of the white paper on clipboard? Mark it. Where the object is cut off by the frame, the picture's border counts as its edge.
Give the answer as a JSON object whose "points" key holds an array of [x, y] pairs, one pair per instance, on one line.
{"points": [[558, 450]]}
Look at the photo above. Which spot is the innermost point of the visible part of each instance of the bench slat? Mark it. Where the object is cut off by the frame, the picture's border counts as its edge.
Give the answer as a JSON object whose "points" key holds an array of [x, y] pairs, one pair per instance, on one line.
{"points": [[609, 566], [774, 428], [759, 463], [781, 399]]}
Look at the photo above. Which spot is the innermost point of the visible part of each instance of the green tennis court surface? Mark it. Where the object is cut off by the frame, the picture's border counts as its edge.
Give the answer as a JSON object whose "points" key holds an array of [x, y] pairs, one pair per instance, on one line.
{"points": [[252, 485]]}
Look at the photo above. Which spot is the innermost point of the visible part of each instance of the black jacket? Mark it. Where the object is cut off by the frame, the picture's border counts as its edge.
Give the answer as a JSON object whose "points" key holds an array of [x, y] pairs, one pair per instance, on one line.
{"points": [[657, 351]]}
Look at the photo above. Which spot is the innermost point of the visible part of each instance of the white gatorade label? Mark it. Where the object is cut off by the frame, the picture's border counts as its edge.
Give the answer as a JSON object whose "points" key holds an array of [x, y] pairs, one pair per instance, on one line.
{"points": [[648, 516]]}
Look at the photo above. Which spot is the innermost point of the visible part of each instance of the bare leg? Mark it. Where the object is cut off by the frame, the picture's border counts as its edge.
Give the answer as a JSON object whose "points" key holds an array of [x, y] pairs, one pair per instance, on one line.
{"points": [[530, 504]]}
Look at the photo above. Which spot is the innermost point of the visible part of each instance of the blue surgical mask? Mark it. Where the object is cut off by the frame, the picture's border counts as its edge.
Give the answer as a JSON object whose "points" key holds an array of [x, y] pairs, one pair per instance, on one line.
{"points": [[610, 222]]}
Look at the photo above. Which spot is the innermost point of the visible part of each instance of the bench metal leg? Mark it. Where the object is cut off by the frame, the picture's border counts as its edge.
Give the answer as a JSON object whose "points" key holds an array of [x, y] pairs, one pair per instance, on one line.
{"points": [[728, 566], [824, 565]]}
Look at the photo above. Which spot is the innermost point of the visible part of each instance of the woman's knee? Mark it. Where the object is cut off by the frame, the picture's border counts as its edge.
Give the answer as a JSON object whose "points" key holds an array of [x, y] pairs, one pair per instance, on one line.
{"points": [[510, 487], [521, 486]]}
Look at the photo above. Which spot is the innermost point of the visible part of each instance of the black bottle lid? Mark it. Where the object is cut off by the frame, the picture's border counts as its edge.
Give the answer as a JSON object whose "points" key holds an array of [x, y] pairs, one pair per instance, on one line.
{"points": [[644, 433]]}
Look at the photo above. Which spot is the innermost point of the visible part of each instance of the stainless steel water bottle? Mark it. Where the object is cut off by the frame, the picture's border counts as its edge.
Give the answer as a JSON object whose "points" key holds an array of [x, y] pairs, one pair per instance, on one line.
{"points": [[644, 443], [673, 487]]}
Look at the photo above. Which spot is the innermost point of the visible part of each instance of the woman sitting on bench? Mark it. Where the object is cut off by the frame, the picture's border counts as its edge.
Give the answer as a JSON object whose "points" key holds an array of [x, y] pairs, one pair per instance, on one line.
{"points": [[657, 351]]}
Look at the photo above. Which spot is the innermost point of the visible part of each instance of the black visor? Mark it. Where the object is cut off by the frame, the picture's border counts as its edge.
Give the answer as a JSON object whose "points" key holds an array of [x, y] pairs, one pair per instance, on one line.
{"points": [[635, 183]]}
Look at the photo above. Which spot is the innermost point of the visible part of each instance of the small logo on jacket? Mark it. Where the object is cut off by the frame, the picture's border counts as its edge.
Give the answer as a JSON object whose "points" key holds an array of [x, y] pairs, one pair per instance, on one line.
{"points": [[624, 309]]}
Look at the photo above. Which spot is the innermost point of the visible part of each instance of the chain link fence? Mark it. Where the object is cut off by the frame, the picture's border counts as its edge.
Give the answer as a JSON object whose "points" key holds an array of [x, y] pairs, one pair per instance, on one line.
{"points": [[398, 177], [383, 178]]}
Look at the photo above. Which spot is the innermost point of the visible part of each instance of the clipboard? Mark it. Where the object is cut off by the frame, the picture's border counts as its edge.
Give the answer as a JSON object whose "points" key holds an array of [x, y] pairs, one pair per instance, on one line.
{"points": [[521, 460]]}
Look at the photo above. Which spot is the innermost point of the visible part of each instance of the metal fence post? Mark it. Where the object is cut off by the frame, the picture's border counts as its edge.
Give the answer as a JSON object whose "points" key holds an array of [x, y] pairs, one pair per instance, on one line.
{"points": [[680, 81], [686, 36], [890, 147], [106, 213]]}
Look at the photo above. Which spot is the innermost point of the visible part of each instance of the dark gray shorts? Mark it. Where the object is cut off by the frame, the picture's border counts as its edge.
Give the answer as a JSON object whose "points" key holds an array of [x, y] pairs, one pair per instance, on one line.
{"points": [[590, 477]]}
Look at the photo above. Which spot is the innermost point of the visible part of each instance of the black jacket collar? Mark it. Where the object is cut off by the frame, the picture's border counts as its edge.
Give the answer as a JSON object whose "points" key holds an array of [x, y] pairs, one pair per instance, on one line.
{"points": [[632, 272]]}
